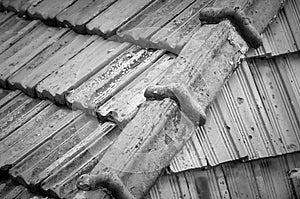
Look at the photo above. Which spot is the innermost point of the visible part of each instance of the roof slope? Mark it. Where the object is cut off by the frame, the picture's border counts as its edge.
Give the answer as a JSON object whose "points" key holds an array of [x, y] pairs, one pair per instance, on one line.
{"points": [[256, 179], [256, 115], [127, 20], [249, 132]]}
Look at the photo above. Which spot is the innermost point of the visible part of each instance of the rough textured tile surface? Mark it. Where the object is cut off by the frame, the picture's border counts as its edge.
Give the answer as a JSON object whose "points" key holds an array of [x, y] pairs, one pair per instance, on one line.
{"points": [[123, 105], [178, 31], [48, 9], [18, 116], [150, 20], [19, 6], [33, 139], [39, 68], [72, 74], [83, 11], [5, 16], [11, 27], [43, 152], [40, 42], [123, 10], [22, 33], [63, 179], [115, 76]]}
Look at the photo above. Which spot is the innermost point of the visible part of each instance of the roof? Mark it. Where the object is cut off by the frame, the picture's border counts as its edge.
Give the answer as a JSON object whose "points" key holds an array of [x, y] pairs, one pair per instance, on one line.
{"points": [[69, 138], [256, 115]]}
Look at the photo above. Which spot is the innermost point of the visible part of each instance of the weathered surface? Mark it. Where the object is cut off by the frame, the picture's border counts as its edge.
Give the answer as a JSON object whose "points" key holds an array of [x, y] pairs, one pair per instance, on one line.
{"points": [[47, 129], [11, 27], [5, 16], [63, 178], [72, 74], [19, 6], [178, 31], [14, 40], [24, 55], [8, 50], [19, 116], [147, 144], [38, 69], [7, 96], [250, 17], [122, 106], [48, 9], [31, 164], [83, 11], [150, 20], [216, 51], [112, 78], [116, 15]]}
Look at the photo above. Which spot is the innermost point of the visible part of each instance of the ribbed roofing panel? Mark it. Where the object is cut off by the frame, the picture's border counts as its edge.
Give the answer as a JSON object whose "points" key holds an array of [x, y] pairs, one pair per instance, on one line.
{"points": [[264, 178], [283, 34], [256, 115]]}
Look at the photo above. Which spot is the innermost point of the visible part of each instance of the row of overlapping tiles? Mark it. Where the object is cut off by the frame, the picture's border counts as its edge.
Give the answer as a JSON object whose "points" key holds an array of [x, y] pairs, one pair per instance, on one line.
{"points": [[41, 142], [256, 115], [153, 23], [56, 170], [8, 190]]}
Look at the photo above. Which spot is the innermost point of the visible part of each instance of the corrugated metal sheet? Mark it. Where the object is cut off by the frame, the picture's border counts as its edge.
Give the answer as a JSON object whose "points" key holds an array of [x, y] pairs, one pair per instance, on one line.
{"points": [[256, 115], [261, 179], [283, 34]]}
